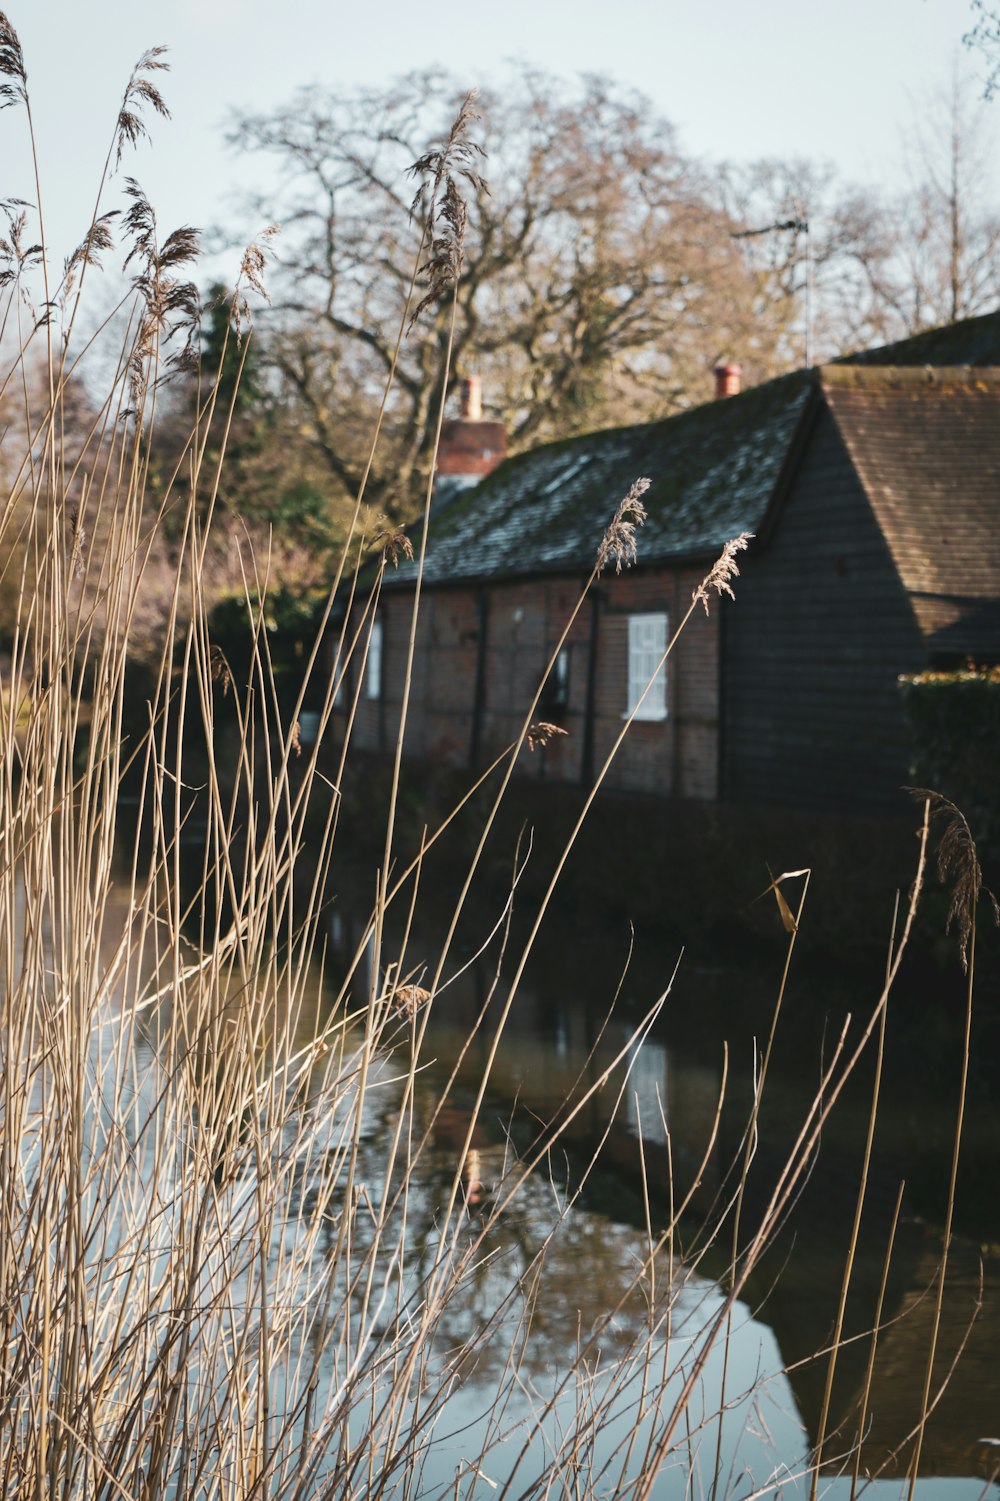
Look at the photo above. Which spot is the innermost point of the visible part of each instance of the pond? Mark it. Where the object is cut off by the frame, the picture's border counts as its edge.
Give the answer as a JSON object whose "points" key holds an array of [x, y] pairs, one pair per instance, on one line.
{"points": [[552, 1131], [669, 1123]]}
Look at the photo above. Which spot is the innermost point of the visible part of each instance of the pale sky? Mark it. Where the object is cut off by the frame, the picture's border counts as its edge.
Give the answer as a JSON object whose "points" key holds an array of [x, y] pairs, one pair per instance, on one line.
{"points": [[740, 80]]}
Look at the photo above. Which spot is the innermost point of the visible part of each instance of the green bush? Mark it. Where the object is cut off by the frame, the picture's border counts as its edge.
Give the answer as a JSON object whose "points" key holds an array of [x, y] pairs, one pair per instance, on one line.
{"points": [[290, 621], [953, 720]]}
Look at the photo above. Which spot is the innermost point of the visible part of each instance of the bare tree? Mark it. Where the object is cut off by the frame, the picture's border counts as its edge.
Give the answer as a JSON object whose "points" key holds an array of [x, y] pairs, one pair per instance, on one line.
{"points": [[601, 282], [940, 257], [984, 37], [883, 266], [807, 239]]}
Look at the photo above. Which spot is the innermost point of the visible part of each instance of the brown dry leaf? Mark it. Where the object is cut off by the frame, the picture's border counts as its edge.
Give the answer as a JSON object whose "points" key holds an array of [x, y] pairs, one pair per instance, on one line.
{"points": [[784, 910]]}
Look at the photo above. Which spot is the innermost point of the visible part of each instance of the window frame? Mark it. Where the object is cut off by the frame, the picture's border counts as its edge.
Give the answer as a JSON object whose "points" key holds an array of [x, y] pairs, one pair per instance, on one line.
{"points": [[648, 634]]}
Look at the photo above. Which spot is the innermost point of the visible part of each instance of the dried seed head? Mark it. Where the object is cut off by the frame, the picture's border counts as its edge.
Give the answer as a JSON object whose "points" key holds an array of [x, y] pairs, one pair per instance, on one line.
{"points": [[11, 65], [220, 669], [140, 90], [77, 541], [441, 171], [542, 732], [87, 252], [619, 539], [295, 739], [252, 266], [15, 256], [408, 999], [170, 306], [958, 862], [390, 541], [723, 571]]}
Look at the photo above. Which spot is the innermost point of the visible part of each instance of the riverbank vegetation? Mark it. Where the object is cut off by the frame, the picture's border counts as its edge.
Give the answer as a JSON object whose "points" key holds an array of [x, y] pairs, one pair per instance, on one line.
{"points": [[214, 1280]]}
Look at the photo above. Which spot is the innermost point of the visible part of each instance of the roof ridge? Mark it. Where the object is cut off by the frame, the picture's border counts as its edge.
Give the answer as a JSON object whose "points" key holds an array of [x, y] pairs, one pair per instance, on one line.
{"points": [[909, 375]]}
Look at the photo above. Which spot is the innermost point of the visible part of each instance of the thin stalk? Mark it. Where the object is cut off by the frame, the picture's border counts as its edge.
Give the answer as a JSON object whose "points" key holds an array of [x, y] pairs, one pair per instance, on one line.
{"points": [[855, 1230], [914, 1469], [873, 1347], [748, 1154]]}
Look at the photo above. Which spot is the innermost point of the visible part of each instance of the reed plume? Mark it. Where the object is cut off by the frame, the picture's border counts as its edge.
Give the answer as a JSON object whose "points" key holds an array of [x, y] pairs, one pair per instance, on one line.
{"points": [[618, 543], [958, 866], [541, 732], [139, 91], [441, 170], [11, 65], [722, 572]]}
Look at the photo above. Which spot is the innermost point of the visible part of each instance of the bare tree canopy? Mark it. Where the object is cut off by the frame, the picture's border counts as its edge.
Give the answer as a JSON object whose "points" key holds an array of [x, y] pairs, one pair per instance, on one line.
{"points": [[800, 224], [601, 283], [884, 266], [984, 37], [605, 271], [940, 257]]}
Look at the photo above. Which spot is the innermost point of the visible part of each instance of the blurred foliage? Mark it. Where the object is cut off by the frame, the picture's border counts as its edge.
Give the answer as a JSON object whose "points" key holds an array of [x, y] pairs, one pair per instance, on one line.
{"points": [[255, 472], [954, 727], [288, 620]]}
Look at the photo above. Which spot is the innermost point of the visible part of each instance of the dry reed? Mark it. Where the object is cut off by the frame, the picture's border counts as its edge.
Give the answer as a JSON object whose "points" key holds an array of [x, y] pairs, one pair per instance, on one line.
{"points": [[214, 1281]]}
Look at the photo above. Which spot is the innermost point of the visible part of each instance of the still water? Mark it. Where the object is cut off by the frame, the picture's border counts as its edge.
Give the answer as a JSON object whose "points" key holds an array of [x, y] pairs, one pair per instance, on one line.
{"points": [[610, 1177], [671, 1123]]}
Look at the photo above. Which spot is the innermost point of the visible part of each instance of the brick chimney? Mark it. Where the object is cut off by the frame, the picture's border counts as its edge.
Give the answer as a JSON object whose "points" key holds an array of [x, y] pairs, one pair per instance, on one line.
{"points": [[471, 399], [470, 448], [727, 380]]}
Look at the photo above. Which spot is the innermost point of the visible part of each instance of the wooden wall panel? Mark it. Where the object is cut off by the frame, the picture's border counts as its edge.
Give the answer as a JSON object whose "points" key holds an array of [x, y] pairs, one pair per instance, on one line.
{"points": [[812, 648]]}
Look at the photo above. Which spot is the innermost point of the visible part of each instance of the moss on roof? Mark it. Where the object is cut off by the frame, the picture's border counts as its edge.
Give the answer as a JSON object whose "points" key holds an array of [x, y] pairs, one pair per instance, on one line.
{"points": [[712, 472]]}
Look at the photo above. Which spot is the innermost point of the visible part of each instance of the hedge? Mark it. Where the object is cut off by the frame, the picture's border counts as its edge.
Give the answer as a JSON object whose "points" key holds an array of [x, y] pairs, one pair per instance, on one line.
{"points": [[953, 720]]}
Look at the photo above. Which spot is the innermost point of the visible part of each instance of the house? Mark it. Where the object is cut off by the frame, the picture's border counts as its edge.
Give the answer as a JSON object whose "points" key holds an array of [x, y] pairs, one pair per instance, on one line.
{"points": [[872, 488]]}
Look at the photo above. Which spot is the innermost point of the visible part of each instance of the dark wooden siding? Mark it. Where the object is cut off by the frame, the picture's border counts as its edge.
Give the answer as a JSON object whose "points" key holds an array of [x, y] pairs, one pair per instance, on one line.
{"points": [[813, 646]]}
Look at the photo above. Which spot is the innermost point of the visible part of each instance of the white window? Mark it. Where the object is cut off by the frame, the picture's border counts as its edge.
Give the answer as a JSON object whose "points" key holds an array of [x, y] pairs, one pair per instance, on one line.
{"points": [[373, 674], [647, 641]]}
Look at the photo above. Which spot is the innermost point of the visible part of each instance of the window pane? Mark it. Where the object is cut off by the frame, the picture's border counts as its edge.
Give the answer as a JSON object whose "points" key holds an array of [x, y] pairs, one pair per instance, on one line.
{"points": [[373, 678], [647, 641]]}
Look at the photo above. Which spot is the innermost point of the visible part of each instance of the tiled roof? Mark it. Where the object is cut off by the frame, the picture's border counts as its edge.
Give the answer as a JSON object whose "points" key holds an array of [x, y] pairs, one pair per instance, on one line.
{"points": [[973, 341], [924, 441], [926, 446], [712, 473]]}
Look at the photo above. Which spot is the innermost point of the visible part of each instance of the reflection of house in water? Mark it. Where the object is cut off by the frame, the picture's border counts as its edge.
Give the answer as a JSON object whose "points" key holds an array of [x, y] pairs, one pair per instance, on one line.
{"points": [[647, 1101], [665, 1089], [968, 1411], [558, 1044], [800, 1293]]}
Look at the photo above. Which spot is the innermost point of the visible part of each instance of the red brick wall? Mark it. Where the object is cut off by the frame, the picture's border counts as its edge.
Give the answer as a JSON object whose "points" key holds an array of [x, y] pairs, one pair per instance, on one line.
{"points": [[677, 755], [471, 447]]}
